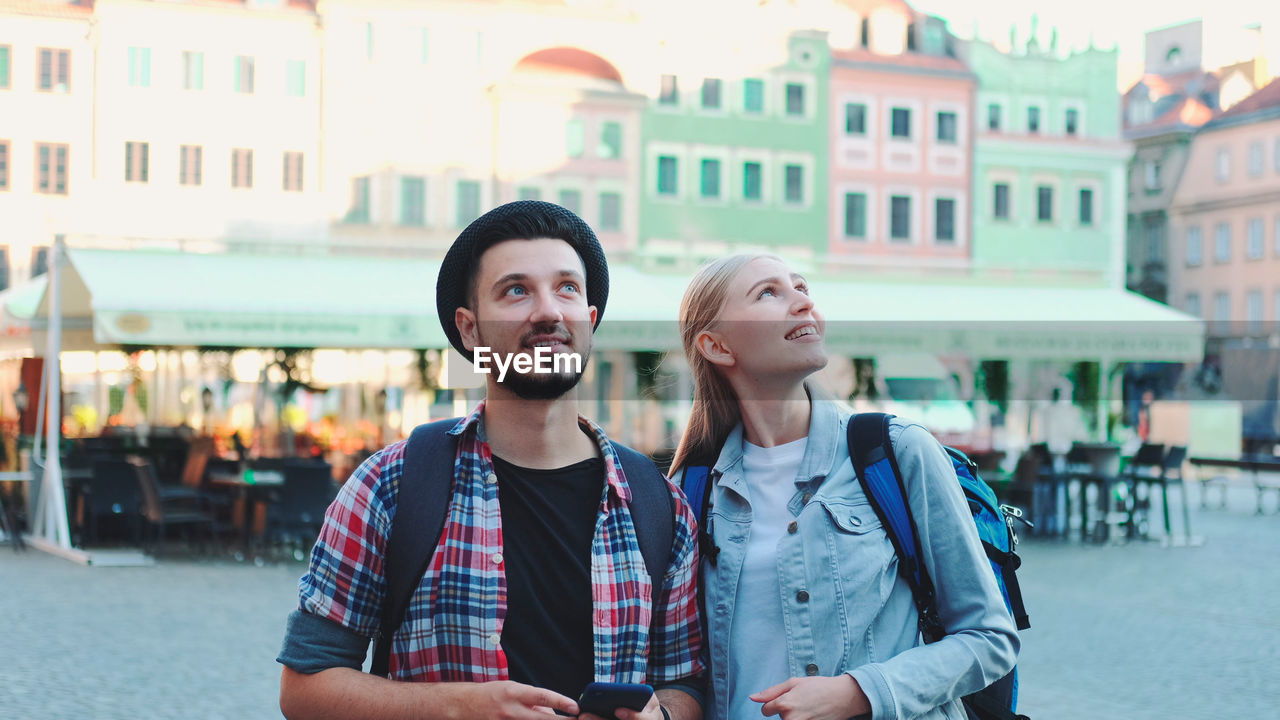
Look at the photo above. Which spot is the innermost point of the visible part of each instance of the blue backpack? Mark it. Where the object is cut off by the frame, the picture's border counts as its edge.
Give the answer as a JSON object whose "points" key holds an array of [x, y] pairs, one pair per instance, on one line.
{"points": [[877, 469]]}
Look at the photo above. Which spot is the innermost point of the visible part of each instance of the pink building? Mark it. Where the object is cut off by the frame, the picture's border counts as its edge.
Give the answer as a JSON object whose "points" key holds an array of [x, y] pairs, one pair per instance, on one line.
{"points": [[1225, 221], [901, 142]]}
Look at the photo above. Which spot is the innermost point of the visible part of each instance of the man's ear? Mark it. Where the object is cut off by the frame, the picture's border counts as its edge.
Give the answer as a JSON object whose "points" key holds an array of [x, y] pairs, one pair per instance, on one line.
{"points": [[466, 322], [594, 313], [711, 346]]}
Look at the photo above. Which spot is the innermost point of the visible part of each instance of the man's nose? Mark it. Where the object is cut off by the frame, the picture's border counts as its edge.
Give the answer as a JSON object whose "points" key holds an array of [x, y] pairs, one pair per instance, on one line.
{"points": [[546, 309]]}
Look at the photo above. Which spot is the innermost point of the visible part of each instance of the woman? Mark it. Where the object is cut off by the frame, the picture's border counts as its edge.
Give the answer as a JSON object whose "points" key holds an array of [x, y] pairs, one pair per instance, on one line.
{"points": [[806, 614]]}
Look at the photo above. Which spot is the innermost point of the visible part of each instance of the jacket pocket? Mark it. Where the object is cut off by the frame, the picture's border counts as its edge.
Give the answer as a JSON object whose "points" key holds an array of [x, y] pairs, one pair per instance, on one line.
{"points": [[859, 565]]}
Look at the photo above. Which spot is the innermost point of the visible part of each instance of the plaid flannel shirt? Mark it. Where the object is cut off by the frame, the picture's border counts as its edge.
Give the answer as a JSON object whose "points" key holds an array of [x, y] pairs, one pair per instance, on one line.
{"points": [[453, 625]]}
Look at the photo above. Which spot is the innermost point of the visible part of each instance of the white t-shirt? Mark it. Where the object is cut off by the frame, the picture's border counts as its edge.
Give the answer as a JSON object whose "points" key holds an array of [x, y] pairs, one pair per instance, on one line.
{"points": [[757, 640]]}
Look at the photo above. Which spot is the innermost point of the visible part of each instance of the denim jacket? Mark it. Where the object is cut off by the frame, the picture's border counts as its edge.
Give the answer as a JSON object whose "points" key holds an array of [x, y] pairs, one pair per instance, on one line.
{"points": [[845, 608]]}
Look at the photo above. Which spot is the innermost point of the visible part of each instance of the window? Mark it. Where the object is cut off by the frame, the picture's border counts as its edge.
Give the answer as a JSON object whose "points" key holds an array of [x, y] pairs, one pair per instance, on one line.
{"points": [[901, 123], [855, 215], [192, 70], [468, 201], [1254, 248], [529, 193], [424, 45], [944, 227], [571, 199], [244, 74], [610, 211], [667, 175], [1222, 167], [1154, 228], [1033, 119], [610, 146], [710, 187], [573, 138], [5, 52], [368, 41], [711, 94], [39, 260], [1151, 175], [241, 168], [358, 210], [1253, 311], [139, 67], [899, 217], [1086, 206], [794, 184], [4, 267], [1000, 195], [1044, 203], [1276, 161], [1255, 158], [295, 78], [4, 164], [51, 168], [1192, 304], [190, 159], [1222, 243], [993, 117], [53, 71], [292, 177], [1073, 121], [136, 161], [752, 179], [753, 96], [413, 201], [947, 127], [1221, 310], [855, 119], [1195, 246], [669, 93], [795, 99]]}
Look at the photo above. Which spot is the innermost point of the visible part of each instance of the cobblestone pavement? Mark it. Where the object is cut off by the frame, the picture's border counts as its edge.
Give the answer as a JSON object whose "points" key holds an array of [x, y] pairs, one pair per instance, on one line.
{"points": [[1126, 632]]}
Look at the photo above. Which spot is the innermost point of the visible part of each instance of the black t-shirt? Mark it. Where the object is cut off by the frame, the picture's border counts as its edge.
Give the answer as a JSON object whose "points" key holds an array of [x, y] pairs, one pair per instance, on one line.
{"points": [[548, 522]]}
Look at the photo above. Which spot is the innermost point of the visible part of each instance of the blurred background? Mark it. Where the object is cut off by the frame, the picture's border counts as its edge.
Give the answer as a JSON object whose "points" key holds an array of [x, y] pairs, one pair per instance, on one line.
{"points": [[996, 204]]}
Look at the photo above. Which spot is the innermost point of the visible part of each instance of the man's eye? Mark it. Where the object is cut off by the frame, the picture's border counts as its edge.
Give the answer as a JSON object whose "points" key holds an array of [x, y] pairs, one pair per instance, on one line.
{"points": [[515, 290], [571, 287]]}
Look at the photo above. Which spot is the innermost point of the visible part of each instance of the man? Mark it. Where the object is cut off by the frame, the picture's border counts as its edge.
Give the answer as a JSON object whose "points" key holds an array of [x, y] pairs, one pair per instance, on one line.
{"points": [[537, 586]]}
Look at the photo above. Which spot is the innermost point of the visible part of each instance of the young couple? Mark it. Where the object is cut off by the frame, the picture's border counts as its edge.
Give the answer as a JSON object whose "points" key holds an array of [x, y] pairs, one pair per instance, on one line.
{"points": [[538, 584]]}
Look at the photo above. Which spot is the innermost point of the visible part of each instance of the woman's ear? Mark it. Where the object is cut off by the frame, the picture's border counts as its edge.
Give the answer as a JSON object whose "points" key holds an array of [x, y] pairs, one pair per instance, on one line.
{"points": [[712, 346]]}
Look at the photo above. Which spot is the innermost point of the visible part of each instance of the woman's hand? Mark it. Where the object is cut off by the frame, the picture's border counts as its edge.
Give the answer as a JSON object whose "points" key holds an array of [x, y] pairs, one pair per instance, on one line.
{"points": [[815, 698]]}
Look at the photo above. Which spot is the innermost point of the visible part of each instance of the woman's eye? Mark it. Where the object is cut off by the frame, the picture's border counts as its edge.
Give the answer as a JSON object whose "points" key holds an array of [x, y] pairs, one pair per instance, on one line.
{"points": [[803, 288], [766, 291]]}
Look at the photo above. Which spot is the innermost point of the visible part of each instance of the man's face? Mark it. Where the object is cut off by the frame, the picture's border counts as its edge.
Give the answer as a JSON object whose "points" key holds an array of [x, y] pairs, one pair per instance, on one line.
{"points": [[531, 294]]}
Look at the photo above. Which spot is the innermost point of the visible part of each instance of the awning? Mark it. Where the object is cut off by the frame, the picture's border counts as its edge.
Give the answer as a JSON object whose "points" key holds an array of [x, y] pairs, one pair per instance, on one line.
{"points": [[983, 321], [161, 298]]}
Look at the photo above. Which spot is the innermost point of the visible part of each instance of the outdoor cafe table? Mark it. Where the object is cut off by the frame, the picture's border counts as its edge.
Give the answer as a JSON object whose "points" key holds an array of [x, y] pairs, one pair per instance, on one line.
{"points": [[250, 487], [1101, 468], [1255, 464]]}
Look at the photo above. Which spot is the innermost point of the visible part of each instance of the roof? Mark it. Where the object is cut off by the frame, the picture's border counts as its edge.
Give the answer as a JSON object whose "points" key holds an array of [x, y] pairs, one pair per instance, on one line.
{"points": [[1264, 99]]}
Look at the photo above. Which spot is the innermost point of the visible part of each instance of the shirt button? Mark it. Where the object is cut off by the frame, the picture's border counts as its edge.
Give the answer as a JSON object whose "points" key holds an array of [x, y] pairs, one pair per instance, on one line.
{"points": [[793, 527], [802, 596], [494, 639], [491, 479], [497, 558], [810, 669]]}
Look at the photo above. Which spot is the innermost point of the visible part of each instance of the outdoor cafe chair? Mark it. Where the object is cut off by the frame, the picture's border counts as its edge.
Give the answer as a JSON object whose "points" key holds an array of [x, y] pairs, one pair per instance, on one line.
{"points": [[160, 514], [111, 494], [1144, 470]]}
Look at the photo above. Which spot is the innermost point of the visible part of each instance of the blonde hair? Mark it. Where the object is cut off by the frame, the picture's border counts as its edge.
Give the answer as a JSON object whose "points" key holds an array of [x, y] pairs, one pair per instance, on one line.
{"points": [[715, 404]]}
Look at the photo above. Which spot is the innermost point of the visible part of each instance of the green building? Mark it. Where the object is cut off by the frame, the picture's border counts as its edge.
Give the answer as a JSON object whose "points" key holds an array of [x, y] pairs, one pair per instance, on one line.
{"points": [[1049, 165], [738, 161]]}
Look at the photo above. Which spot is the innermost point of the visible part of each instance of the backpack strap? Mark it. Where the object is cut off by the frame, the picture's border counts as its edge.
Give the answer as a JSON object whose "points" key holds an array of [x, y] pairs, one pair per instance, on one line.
{"points": [[426, 486], [877, 469], [655, 531]]}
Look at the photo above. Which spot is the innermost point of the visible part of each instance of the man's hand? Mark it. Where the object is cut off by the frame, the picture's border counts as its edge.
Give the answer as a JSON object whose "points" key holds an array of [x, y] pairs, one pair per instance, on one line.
{"points": [[651, 711], [506, 700], [814, 698]]}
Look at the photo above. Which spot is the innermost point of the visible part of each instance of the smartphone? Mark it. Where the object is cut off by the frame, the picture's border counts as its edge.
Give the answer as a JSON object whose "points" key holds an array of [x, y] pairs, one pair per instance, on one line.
{"points": [[603, 698]]}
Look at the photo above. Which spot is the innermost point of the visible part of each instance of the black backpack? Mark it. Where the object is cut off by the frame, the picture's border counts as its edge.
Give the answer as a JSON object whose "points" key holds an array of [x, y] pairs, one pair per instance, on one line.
{"points": [[426, 485]]}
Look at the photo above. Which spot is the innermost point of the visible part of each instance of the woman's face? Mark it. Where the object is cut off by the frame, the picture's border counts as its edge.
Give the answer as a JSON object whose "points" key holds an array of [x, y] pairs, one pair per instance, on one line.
{"points": [[769, 327]]}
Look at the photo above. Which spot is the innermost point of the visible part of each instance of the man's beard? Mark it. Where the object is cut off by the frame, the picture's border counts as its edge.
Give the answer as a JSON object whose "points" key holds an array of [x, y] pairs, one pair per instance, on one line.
{"points": [[544, 386]]}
